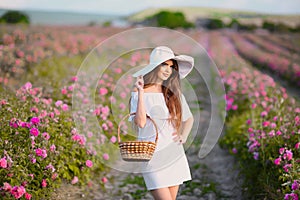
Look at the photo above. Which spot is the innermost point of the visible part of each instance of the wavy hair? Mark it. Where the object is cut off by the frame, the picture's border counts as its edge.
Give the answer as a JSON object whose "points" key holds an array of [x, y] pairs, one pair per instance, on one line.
{"points": [[171, 90]]}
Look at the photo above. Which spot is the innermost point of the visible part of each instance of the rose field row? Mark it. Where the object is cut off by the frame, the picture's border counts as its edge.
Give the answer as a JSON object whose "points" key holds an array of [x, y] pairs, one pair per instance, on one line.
{"points": [[262, 124]]}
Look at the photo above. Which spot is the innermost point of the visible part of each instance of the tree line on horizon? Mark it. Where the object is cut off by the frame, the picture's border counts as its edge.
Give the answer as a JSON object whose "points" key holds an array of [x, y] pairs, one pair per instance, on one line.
{"points": [[177, 19], [173, 20]]}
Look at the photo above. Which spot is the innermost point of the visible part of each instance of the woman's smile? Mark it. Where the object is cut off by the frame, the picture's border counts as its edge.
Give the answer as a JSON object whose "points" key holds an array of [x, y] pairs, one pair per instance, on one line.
{"points": [[166, 74]]}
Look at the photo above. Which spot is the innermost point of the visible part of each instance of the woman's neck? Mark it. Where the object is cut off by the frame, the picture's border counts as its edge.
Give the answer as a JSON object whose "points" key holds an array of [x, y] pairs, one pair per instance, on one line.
{"points": [[154, 88]]}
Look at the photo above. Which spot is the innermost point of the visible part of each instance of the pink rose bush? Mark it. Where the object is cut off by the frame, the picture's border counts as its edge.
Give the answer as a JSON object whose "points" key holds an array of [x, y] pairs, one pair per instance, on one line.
{"points": [[282, 65], [22, 48], [39, 144], [264, 129]]}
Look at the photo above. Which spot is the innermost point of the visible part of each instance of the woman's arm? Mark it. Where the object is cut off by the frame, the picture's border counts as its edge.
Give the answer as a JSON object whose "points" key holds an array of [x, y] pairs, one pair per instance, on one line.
{"points": [[186, 128], [140, 116]]}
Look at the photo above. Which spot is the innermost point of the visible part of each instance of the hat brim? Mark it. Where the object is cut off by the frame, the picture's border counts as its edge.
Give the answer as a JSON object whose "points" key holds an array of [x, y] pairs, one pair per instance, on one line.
{"points": [[185, 66]]}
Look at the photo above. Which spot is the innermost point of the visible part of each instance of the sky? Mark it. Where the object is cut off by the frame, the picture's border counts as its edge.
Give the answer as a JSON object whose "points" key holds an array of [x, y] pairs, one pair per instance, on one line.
{"points": [[126, 7]]}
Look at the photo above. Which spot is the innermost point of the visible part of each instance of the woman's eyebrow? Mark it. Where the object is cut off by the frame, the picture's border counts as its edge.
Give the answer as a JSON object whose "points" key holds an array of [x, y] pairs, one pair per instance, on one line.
{"points": [[164, 63]]}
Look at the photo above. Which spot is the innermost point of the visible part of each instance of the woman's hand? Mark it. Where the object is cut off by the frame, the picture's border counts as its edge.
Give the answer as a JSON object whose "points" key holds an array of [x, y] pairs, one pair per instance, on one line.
{"points": [[179, 138], [184, 131], [139, 84]]}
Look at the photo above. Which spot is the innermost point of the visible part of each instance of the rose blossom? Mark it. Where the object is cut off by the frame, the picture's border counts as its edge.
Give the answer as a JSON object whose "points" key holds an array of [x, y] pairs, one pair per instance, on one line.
{"points": [[273, 125], [255, 155], [272, 133], [35, 120], [65, 107], [90, 134], [105, 156], [293, 196], [31, 175], [52, 148], [34, 132], [113, 139], [266, 123], [3, 162], [103, 91], [58, 103], [263, 114], [277, 161], [74, 78], [281, 150], [24, 183], [286, 167], [34, 109], [105, 127], [64, 91], [44, 183], [75, 180], [289, 155], [89, 163], [278, 132], [27, 196], [123, 95], [7, 187], [46, 135], [18, 192], [50, 166], [295, 185], [41, 152], [27, 86], [54, 176], [3, 102], [122, 106], [234, 150], [104, 180], [112, 99]]}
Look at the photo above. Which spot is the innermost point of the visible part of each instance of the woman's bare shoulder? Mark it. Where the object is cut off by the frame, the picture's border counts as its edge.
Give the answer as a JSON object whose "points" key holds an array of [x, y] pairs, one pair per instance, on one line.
{"points": [[134, 89]]}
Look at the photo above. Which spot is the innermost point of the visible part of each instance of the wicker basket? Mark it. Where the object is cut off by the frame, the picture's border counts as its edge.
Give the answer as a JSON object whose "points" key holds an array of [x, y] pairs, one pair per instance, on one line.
{"points": [[140, 151]]}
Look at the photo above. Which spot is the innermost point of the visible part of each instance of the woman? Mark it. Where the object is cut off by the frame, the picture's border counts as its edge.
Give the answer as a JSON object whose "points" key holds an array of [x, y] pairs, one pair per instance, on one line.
{"points": [[157, 94]]}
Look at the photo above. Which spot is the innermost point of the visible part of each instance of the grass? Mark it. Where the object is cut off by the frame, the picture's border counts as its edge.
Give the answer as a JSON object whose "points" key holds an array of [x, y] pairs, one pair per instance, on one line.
{"points": [[135, 180], [205, 187], [199, 165], [53, 72]]}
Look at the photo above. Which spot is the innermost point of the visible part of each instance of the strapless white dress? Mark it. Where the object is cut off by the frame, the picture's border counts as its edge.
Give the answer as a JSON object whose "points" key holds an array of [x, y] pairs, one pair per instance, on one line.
{"points": [[169, 165]]}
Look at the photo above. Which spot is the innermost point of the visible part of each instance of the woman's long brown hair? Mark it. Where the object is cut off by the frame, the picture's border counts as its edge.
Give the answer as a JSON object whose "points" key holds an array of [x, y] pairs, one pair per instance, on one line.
{"points": [[171, 90]]}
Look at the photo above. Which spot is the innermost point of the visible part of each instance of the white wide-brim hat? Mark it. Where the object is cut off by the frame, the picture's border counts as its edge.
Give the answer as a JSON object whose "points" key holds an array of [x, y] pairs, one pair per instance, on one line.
{"points": [[161, 54]]}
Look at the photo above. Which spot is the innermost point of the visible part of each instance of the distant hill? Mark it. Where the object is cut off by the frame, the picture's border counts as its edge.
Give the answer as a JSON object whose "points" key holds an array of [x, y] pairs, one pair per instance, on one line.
{"points": [[65, 18], [245, 17]]}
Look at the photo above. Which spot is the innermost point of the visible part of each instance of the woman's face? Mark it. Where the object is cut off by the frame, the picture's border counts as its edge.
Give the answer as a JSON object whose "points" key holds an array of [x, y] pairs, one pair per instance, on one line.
{"points": [[165, 70]]}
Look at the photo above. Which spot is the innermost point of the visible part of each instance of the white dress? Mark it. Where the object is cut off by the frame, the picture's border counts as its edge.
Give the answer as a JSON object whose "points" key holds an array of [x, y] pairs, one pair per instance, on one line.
{"points": [[169, 165]]}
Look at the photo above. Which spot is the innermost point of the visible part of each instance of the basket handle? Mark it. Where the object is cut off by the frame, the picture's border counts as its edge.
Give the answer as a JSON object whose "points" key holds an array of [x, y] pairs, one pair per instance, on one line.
{"points": [[119, 127]]}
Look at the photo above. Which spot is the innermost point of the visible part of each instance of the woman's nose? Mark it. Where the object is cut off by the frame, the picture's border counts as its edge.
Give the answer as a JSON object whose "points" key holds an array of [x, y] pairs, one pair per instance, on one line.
{"points": [[169, 69]]}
